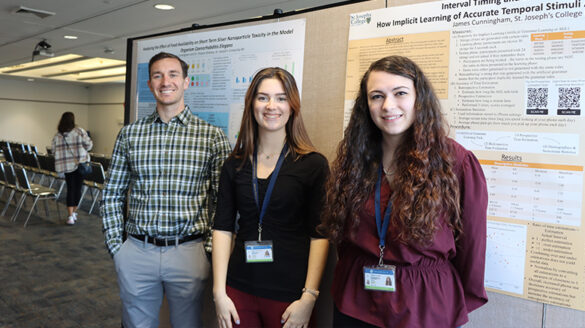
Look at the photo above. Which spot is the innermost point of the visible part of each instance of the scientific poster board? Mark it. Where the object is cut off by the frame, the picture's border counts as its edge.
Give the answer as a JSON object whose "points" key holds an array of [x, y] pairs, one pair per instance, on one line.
{"points": [[222, 64], [510, 76], [323, 68]]}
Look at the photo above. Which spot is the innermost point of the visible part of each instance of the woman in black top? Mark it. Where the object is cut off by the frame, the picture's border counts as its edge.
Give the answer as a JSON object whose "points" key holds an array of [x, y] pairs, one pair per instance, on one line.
{"points": [[278, 257]]}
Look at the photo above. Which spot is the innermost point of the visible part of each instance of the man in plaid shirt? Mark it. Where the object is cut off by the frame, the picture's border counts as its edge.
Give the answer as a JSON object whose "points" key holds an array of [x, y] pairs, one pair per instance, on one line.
{"points": [[166, 167]]}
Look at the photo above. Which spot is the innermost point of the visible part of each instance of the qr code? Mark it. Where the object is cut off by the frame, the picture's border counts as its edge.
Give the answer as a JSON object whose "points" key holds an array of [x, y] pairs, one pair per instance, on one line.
{"points": [[569, 97], [537, 98]]}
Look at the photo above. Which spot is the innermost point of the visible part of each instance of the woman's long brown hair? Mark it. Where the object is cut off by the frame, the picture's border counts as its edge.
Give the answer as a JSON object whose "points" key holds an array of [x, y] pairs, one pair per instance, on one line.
{"points": [[297, 137], [424, 187], [66, 123]]}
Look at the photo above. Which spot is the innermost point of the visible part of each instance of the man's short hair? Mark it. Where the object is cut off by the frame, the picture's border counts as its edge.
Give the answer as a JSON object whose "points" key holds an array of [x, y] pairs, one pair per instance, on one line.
{"points": [[163, 55]]}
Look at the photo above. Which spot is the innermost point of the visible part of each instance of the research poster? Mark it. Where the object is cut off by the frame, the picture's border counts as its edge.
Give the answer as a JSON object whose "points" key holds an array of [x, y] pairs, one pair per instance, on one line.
{"points": [[222, 64], [510, 76]]}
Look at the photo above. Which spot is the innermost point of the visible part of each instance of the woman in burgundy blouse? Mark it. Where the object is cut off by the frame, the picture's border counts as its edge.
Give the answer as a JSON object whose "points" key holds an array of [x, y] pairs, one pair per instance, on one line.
{"points": [[406, 207]]}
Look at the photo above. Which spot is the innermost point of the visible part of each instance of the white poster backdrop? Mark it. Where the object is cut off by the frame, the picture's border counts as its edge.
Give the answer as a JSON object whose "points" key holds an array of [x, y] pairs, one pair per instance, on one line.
{"points": [[511, 78], [221, 65]]}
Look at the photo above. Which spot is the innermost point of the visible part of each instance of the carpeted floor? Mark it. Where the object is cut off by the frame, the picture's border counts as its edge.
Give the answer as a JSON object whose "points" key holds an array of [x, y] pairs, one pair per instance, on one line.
{"points": [[54, 275]]}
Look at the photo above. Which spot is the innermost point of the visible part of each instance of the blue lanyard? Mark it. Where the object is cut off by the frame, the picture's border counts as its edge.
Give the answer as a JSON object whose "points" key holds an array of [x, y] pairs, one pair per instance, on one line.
{"points": [[270, 185], [382, 226]]}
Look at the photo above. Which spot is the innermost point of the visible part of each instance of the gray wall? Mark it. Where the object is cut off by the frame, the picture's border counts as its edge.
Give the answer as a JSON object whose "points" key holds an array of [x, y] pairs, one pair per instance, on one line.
{"points": [[30, 111], [105, 115], [504, 311]]}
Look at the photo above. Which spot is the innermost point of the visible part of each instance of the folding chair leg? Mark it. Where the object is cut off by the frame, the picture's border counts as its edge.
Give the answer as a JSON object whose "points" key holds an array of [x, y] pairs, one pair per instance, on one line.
{"points": [[58, 210], [31, 210], [91, 194], [94, 201], [82, 196], [46, 202], [92, 197], [18, 207], [60, 190], [8, 201]]}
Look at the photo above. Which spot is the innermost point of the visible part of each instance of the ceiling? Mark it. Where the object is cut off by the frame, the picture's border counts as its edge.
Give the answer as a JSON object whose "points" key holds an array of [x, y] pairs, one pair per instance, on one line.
{"points": [[103, 26]]}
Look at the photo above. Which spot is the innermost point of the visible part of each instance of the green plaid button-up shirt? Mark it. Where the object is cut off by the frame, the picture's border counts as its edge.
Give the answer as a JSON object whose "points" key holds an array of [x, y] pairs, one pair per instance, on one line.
{"points": [[172, 170]]}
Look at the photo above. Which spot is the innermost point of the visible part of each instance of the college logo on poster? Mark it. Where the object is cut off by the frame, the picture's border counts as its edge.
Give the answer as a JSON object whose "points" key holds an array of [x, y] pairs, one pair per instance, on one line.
{"points": [[360, 19]]}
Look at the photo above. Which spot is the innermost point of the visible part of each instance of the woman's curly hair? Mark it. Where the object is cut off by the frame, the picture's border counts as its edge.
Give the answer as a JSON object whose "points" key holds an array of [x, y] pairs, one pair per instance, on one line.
{"points": [[424, 186]]}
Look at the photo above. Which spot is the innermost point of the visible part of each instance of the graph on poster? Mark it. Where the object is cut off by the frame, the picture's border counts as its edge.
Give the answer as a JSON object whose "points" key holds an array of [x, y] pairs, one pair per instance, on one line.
{"points": [[505, 256]]}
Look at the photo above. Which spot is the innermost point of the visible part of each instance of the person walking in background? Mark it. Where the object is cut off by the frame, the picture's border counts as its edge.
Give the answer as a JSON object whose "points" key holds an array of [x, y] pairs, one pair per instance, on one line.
{"points": [[70, 146], [172, 161], [406, 207], [274, 179]]}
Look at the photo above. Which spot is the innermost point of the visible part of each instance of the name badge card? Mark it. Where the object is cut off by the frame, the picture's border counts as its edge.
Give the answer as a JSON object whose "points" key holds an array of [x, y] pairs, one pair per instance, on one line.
{"points": [[258, 251], [380, 278]]}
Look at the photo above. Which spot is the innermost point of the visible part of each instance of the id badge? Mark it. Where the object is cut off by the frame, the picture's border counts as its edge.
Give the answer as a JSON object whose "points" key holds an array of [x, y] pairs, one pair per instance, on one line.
{"points": [[258, 251], [380, 278]]}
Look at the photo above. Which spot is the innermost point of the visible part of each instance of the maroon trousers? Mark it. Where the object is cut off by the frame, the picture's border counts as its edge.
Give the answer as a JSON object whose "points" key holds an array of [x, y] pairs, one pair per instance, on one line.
{"points": [[257, 311]]}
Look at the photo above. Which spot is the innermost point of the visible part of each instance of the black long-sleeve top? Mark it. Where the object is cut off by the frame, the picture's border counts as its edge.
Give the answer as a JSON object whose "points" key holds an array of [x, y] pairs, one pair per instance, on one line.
{"points": [[291, 217]]}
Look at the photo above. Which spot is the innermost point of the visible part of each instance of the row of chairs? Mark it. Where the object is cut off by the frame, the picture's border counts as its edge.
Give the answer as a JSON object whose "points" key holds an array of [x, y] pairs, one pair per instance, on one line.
{"points": [[7, 148], [43, 166], [22, 153], [15, 178]]}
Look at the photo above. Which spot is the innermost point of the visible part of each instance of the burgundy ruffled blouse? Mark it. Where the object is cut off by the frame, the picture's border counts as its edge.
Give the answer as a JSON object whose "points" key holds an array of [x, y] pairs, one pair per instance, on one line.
{"points": [[437, 285]]}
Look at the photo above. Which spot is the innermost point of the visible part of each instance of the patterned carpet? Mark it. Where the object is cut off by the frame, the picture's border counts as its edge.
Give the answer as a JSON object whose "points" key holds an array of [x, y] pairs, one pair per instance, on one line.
{"points": [[58, 276], [54, 275]]}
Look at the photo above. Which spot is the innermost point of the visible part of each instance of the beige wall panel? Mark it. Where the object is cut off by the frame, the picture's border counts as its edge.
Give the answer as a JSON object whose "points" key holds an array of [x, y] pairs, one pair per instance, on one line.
{"points": [[324, 73], [560, 317], [504, 311]]}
